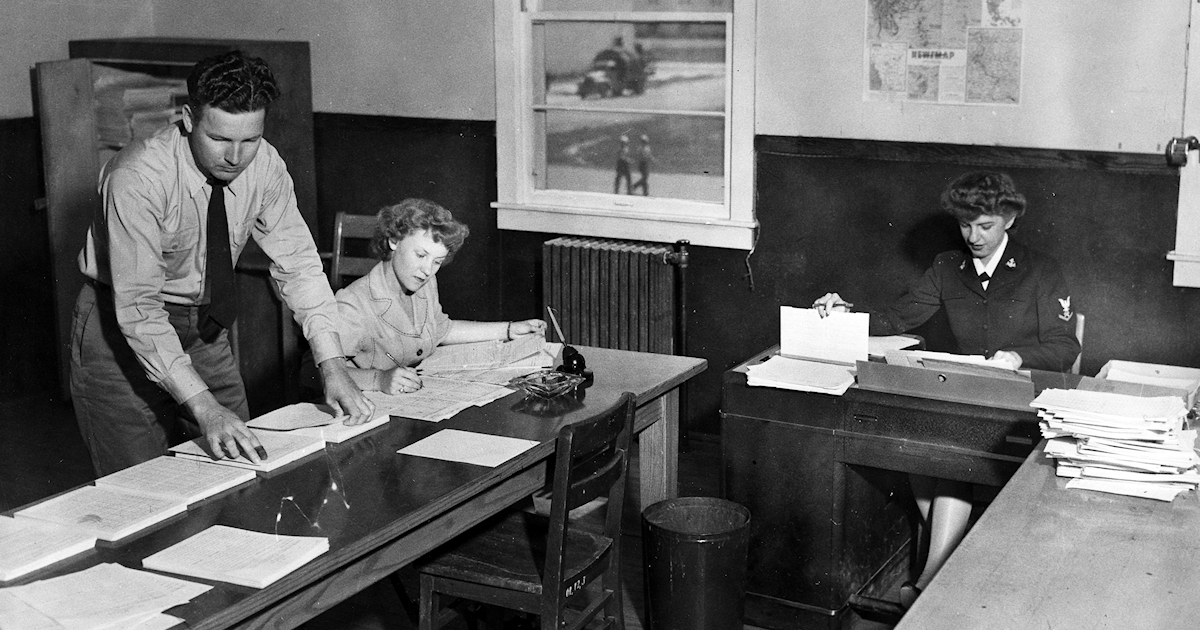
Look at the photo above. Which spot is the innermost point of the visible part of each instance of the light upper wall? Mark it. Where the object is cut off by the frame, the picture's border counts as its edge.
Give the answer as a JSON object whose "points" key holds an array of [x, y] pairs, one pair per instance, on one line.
{"points": [[377, 57], [33, 31]]}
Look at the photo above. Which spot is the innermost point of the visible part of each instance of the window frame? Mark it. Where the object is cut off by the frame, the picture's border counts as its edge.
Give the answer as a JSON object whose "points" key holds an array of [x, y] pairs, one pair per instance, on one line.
{"points": [[522, 206]]}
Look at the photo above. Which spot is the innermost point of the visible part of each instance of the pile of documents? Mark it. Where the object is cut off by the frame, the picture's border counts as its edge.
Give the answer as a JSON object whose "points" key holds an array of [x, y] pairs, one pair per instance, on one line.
{"points": [[816, 354], [1120, 444], [103, 597], [238, 556]]}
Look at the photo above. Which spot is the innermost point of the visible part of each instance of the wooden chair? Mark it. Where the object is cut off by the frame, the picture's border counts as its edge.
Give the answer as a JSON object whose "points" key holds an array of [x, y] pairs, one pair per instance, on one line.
{"points": [[346, 227], [524, 561]]}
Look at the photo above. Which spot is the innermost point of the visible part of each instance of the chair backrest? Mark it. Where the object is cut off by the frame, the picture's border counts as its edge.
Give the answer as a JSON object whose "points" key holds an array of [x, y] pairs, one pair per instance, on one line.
{"points": [[591, 461], [349, 227], [1079, 321]]}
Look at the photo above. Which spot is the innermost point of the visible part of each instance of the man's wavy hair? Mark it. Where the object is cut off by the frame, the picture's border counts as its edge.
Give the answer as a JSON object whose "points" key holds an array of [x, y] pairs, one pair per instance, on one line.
{"points": [[395, 222], [233, 82], [983, 192]]}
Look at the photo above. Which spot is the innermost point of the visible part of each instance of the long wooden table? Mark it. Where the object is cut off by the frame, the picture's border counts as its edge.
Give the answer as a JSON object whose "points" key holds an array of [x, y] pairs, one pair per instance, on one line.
{"points": [[381, 510], [1043, 556]]}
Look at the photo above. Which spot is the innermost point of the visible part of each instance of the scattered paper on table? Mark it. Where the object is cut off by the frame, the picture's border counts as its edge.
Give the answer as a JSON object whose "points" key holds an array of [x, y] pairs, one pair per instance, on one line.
{"points": [[481, 449]]}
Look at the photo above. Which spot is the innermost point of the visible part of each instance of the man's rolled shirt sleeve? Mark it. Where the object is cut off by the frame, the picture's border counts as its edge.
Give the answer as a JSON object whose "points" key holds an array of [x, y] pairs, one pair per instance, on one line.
{"points": [[136, 244]]}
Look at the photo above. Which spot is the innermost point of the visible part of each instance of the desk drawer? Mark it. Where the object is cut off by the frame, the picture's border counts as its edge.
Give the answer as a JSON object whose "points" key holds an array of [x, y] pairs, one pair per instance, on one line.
{"points": [[1010, 433]]}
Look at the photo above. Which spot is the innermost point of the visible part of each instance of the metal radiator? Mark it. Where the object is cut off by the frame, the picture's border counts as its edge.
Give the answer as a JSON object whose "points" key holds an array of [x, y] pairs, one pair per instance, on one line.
{"points": [[611, 294]]}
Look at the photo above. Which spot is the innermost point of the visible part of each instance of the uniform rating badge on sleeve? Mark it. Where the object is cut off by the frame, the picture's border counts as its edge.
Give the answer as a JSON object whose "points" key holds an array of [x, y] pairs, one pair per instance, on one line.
{"points": [[1066, 309]]}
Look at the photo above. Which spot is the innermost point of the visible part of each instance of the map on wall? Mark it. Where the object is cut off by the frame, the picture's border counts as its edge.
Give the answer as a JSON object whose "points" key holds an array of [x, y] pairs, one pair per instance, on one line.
{"points": [[964, 52]]}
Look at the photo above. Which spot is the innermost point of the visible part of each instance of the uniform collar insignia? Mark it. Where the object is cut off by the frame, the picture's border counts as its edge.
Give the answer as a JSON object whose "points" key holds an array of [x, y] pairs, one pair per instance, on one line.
{"points": [[1011, 263]]}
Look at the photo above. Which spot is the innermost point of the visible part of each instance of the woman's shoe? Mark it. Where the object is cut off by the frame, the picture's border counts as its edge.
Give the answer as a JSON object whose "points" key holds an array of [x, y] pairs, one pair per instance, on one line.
{"points": [[908, 594]]}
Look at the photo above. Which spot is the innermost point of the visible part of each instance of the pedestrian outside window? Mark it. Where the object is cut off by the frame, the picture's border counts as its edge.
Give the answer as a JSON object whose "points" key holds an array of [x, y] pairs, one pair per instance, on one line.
{"points": [[625, 109]]}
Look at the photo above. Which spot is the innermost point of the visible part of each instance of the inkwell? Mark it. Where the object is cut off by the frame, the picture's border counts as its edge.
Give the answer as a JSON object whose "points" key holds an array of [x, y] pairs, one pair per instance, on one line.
{"points": [[573, 361]]}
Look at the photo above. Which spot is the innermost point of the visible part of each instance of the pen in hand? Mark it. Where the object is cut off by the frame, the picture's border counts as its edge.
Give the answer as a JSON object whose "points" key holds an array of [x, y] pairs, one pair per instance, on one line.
{"points": [[389, 355]]}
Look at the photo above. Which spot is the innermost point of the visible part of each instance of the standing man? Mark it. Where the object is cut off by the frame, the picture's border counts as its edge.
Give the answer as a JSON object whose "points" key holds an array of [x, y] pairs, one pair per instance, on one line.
{"points": [[624, 164], [645, 157], [151, 363]]}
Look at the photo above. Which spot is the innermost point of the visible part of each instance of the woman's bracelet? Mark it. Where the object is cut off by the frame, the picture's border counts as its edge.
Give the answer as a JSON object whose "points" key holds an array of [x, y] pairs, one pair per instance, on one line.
{"points": [[508, 332]]}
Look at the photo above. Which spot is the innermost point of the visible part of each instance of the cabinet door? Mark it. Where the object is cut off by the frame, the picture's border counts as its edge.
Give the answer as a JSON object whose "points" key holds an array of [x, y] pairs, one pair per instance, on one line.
{"points": [[72, 165]]}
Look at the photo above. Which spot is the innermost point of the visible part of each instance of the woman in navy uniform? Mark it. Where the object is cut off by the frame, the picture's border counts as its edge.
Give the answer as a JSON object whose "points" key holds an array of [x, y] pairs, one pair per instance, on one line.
{"points": [[1003, 301]]}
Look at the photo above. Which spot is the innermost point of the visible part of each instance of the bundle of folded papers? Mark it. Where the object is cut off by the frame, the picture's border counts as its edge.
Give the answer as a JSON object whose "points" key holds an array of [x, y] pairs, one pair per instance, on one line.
{"points": [[1120, 444]]}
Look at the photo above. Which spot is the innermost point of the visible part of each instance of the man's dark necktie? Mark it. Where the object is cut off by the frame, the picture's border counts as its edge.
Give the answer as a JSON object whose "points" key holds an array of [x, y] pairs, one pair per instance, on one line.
{"points": [[222, 306]]}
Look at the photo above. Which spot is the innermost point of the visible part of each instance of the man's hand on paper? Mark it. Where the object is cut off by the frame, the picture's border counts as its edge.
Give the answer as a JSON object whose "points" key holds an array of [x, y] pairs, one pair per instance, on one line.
{"points": [[831, 303], [343, 395], [226, 434], [398, 380], [1007, 359]]}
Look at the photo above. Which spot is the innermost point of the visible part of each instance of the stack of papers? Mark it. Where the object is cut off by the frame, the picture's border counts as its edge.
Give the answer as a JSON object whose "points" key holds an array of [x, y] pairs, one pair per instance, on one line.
{"points": [[238, 556], [104, 597], [495, 362], [282, 448], [340, 431], [1118, 443], [800, 375], [106, 513], [176, 478], [438, 399], [816, 354], [30, 544]]}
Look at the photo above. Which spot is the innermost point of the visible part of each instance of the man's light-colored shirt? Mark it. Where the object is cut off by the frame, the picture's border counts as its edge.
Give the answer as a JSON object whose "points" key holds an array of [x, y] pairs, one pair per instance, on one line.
{"points": [[149, 243]]}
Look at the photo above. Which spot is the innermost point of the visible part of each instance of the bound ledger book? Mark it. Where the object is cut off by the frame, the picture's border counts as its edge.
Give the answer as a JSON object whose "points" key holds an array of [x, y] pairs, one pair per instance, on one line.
{"points": [[107, 513], [237, 556], [282, 448], [30, 545], [178, 478]]}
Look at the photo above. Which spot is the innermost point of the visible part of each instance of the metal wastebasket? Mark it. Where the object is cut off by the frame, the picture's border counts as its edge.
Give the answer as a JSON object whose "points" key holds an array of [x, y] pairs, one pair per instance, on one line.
{"points": [[694, 557]]}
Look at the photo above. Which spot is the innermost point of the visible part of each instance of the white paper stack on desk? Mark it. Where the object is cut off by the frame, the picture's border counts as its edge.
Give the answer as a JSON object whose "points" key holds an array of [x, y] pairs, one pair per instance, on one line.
{"points": [[283, 447], [107, 513], [238, 556], [1120, 444], [30, 544], [816, 354], [438, 398], [309, 419], [103, 597]]}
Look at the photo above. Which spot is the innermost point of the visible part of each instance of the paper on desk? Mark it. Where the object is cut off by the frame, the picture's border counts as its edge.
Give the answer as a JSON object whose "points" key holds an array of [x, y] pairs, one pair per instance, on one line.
{"points": [[108, 513], [30, 544], [837, 337], [799, 375], [438, 398], [106, 595], [481, 449], [879, 346], [296, 416], [238, 556], [528, 350]]}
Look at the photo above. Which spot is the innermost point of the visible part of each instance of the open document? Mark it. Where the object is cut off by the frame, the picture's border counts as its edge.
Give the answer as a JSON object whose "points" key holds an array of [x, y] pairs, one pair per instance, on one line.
{"points": [[816, 354], [238, 556]]}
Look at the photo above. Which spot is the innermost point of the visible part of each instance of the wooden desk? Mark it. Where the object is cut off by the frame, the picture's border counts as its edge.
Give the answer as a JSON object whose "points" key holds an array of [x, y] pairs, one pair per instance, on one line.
{"points": [[381, 510], [1042, 556], [824, 478]]}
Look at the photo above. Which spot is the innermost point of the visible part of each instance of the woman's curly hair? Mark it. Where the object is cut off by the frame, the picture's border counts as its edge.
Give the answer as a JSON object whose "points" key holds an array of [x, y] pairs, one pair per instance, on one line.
{"points": [[395, 222], [983, 192]]}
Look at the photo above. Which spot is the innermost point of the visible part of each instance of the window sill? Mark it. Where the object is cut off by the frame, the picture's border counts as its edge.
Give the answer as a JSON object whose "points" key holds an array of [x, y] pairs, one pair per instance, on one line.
{"points": [[642, 227]]}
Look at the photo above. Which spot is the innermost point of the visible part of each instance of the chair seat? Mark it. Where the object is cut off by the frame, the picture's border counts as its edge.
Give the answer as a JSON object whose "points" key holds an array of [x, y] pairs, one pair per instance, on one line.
{"points": [[509, 552]]}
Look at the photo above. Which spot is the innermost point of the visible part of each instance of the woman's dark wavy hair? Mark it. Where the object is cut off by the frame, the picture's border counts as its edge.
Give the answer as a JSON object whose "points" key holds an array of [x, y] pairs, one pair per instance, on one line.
{"points": [[233, 82], [395, 222], [983, 192]]}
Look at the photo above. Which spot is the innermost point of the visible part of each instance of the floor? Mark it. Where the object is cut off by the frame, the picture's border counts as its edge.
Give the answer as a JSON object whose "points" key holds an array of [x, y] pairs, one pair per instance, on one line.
{"points": [[41, 453]]}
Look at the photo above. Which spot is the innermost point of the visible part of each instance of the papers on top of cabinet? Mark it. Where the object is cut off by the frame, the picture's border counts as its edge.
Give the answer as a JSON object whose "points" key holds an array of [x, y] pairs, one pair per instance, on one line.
{"points": [[835, 338], [177, 478], [1120, 444], [799, 375], [106, 596], [107, 513], [481, 449], [282, 448], [238, 556], [30, 544]]}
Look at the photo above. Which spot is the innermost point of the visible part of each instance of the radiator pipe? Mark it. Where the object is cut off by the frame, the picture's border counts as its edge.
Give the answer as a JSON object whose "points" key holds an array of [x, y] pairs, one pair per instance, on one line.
{"points": [[679, 258]]}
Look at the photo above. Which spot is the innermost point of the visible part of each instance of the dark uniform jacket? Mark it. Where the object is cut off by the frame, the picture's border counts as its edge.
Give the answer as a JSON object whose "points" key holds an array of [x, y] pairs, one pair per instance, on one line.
{"points": [[1026, 308]]}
